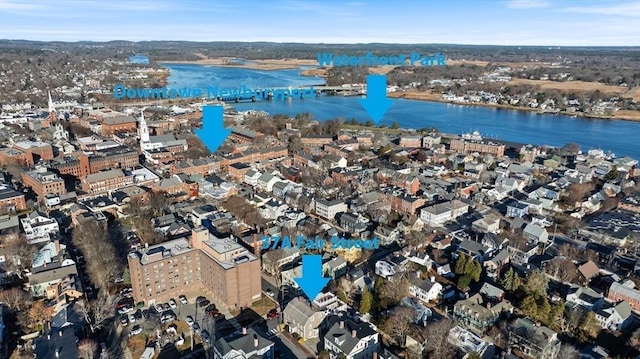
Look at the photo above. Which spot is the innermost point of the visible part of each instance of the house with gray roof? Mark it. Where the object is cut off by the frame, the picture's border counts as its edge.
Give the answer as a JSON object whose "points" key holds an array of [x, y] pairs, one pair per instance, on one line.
{"points": [[248, 344], [616, 317], [300, 318], [536, 341], [352, 340], [535, 233]]}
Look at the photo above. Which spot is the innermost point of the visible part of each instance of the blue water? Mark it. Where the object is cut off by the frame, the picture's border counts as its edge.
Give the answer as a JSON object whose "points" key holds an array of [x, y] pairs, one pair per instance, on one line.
{"points": [[139, 59], [619, 137]]}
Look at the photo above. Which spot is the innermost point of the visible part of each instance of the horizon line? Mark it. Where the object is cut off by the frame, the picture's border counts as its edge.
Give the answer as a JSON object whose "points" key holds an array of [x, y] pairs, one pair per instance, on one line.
{"points": [[323, 43]]}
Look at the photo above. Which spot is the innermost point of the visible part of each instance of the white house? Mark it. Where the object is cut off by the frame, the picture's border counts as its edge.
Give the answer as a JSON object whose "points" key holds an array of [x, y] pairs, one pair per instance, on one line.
{"points": [[426, 290], [38, 227], [251, 177], [351, 340], [266, 182], [439, 214], [615, 318], [329, 209]]}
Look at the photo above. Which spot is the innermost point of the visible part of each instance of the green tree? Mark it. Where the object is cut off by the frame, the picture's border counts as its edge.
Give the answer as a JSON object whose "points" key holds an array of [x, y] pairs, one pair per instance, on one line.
{"points": [[613, 174], [511, 280], [366, 302], [588, 327], [395, 125], [384, 149], [474, 355], [530, 306], [536, 283], [461, 264], [369, 123]]}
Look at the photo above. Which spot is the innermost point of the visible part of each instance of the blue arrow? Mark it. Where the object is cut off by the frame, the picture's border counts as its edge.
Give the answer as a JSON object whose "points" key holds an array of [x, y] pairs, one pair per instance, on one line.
{"points": [[312, 281], [213, 132], [376, 102]]}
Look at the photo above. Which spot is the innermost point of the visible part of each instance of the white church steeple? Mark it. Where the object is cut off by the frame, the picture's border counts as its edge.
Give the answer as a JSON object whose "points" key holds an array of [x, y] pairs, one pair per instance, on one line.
{"points": [[143, 131], [52, 108]]}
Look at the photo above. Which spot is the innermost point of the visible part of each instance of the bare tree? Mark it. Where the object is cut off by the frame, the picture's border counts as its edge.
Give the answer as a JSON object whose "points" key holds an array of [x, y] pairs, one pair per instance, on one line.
{"points": [[98, 311], [87, 348], [438, 346], [15, 298], [399, 324], [103, 265], [18, 252], [568, 351]]}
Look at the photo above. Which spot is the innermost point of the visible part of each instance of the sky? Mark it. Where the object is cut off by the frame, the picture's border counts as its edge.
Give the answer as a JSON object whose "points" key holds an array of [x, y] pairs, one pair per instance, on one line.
{"points": [[475, 22]]}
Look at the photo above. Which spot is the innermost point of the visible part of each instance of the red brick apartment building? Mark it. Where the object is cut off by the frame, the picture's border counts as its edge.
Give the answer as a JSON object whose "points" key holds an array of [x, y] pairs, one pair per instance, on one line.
{"points": [[468, 146], [219, 266], [106, 181], [204, 166], [12, 200], [44, 182]]}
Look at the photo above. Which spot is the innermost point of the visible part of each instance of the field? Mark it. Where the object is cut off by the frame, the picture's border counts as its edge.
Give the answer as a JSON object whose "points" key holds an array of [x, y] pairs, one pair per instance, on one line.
{"points": [[254, 64], [571, 86]]}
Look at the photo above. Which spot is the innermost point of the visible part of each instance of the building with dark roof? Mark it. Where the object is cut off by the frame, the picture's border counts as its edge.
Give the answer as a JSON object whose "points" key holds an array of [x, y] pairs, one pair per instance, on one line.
{"points": [[354, 340], [248, 344]]}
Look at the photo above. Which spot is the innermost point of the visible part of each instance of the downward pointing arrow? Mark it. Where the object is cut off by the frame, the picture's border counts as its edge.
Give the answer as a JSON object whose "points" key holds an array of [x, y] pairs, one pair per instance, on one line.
{"points": [[376, 102], [312, 281], [213, 132]]}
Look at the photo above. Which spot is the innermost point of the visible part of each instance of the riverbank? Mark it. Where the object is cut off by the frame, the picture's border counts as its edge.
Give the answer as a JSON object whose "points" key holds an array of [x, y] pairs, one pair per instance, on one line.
{"points": [[623, 115], [271, 64]]}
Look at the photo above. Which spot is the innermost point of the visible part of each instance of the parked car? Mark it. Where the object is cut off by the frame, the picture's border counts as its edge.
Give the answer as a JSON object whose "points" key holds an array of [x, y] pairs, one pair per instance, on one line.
{"points": [[189, 320], [205, 336], [172, 304], [136, 330], [124, 320], [270, 292], [200, 299], [132, 318], [196, 327], [204, 303], [183, 299], [210, 307], [273, 313]]}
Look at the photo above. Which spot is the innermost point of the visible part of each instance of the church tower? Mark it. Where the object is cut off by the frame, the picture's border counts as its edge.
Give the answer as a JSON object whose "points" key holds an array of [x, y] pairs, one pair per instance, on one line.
{"points": [[52, 117], [143, 131]]}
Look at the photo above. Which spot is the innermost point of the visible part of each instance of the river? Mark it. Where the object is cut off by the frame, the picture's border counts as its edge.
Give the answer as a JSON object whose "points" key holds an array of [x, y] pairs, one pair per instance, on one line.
{"points": [[619, 137]]}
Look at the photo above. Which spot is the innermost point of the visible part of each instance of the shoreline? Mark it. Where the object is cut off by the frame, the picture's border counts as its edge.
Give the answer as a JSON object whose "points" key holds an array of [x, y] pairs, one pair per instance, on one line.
{"points": [[434, 97], [289, 64]]}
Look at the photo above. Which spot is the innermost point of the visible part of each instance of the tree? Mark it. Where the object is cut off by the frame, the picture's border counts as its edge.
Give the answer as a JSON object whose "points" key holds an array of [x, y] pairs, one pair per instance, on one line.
{"points": [[563, 269], [467, 270], [366, 301], [511, 280], [588, 328], [536, 283], [437, 334], [98, 311], [38, 313], [395, 125], [15, 298], [613, 174], [87, 348], [399, 324], [18, 253], [568, 351]]}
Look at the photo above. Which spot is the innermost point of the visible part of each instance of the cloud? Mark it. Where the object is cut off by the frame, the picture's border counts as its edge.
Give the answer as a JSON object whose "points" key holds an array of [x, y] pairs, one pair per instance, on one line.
{"points": [[527, 4], [630, 9]]}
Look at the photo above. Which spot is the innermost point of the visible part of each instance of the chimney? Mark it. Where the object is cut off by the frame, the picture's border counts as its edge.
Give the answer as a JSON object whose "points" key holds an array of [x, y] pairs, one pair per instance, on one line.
{"points": [[244, 330], [255, 340], [418, 274], [56, 243], [341, 324], [433, 279], [353, 333]]}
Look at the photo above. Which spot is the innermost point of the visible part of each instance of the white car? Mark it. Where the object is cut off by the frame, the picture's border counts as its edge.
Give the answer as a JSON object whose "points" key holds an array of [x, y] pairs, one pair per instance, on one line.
{"points": [[124, 310], [183, 300], [172, 304], [132, 318], [136, 330], [189, 320]]}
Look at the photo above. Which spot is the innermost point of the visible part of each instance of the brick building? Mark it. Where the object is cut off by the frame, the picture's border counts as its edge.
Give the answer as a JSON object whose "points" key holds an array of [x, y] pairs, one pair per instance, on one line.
{"points": [[106, 181], [11, 156], [119, 124], [204, 166], [43, 182], [37, 151], [470, 146], [11, 200], [219, 266]]}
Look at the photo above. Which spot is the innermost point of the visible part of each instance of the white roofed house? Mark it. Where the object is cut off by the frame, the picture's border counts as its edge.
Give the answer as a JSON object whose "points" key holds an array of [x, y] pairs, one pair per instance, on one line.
{"points": [[251, 177], [390, 266], [38, 227], [535, 233], [266, 182]]}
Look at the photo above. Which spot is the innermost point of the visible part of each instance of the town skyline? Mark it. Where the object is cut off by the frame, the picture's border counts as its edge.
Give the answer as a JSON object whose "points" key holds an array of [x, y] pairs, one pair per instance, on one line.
{"points": [[521, 22]]}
